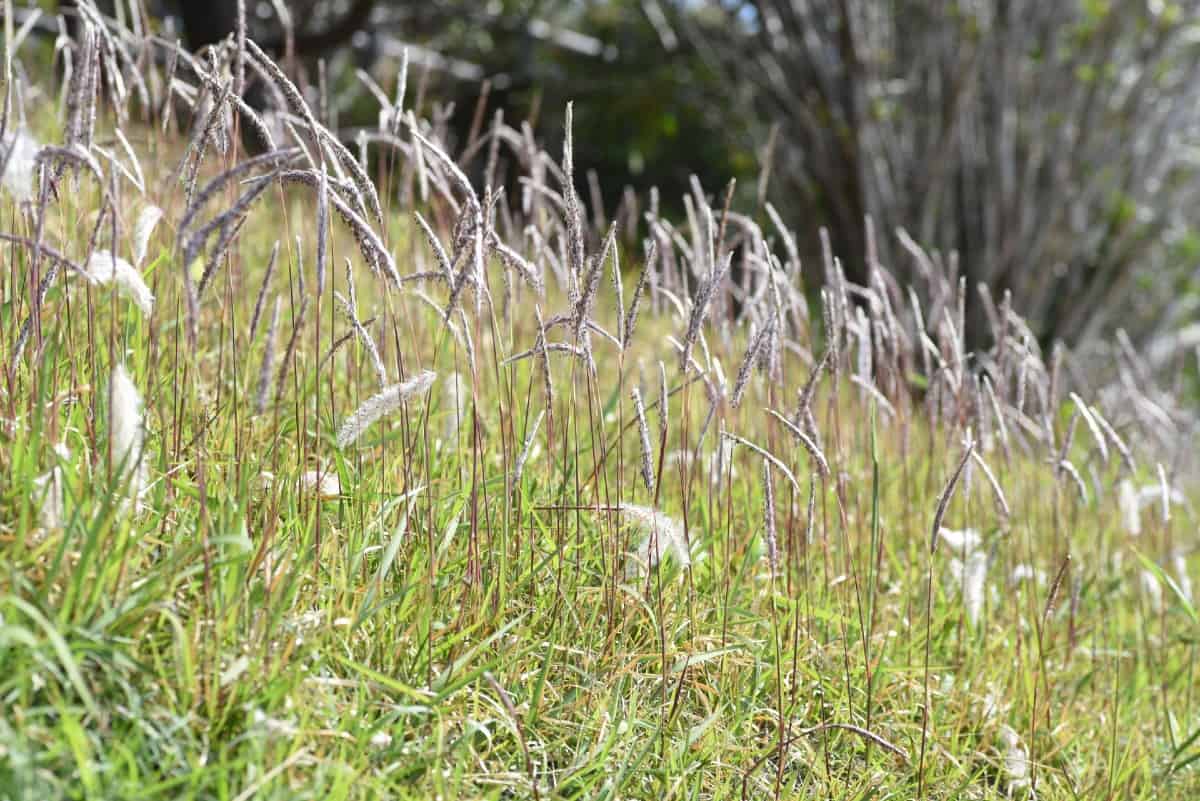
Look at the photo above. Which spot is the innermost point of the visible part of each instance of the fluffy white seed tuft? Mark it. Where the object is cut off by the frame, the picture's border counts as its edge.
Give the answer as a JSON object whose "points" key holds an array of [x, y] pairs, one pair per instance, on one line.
{"points": [[663, 535], [142, 229], [104, 268], [22, 163], [50, 485], [126, 428], [962, 542], [324, 483], [1016, 760], [970, 574]]}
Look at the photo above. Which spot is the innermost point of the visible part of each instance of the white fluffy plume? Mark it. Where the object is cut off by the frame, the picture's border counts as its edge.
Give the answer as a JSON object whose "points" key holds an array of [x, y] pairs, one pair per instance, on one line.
{"points": [[969, 568], [970, 573], [50, 485], [142, 229], [18, 174], [380, 404], [125, 427], [663, 535], [324, 483], [1016, 760], [104, 268]]}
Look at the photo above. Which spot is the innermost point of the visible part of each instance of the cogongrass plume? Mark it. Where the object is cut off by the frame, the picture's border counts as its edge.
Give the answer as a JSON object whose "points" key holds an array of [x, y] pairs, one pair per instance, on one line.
{"points": [[380, 404], [968, 566], [18, 165], [126, 429], [401, 88], [662, 535], [960, 541], [51, 485], [864, 360], [639, 411], [143, 228], [324, 483], [1016, 761], [103, 268], [970, 576]]}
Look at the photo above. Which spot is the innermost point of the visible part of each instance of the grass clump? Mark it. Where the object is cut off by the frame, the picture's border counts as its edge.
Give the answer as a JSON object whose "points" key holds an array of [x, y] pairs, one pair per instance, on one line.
{"points": [[398, 531]]}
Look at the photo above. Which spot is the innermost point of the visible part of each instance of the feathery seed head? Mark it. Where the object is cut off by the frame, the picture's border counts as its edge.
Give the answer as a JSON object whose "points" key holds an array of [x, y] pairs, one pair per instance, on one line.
{"points": [[104, 268], [380, 404]]}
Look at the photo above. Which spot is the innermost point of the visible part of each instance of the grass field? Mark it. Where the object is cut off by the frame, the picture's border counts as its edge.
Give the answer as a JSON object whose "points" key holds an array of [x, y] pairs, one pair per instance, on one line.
{"points": [[772, 536]]}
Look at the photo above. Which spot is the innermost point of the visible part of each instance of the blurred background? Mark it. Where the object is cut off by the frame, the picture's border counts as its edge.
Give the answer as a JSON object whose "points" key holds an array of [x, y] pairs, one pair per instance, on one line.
{"points": [[1049, 148]]}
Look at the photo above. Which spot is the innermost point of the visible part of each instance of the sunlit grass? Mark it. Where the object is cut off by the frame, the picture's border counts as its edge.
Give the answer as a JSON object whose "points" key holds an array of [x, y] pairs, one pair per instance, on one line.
{"points": [[273, 616]]}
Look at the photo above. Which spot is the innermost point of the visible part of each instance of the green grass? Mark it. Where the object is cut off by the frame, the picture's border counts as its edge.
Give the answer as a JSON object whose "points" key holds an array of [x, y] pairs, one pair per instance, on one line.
{"points": [[434, 632]]}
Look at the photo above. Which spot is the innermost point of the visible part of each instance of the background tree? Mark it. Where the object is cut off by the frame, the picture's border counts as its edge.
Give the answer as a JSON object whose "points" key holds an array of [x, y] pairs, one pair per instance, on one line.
{"points": [[1051, 145]]}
